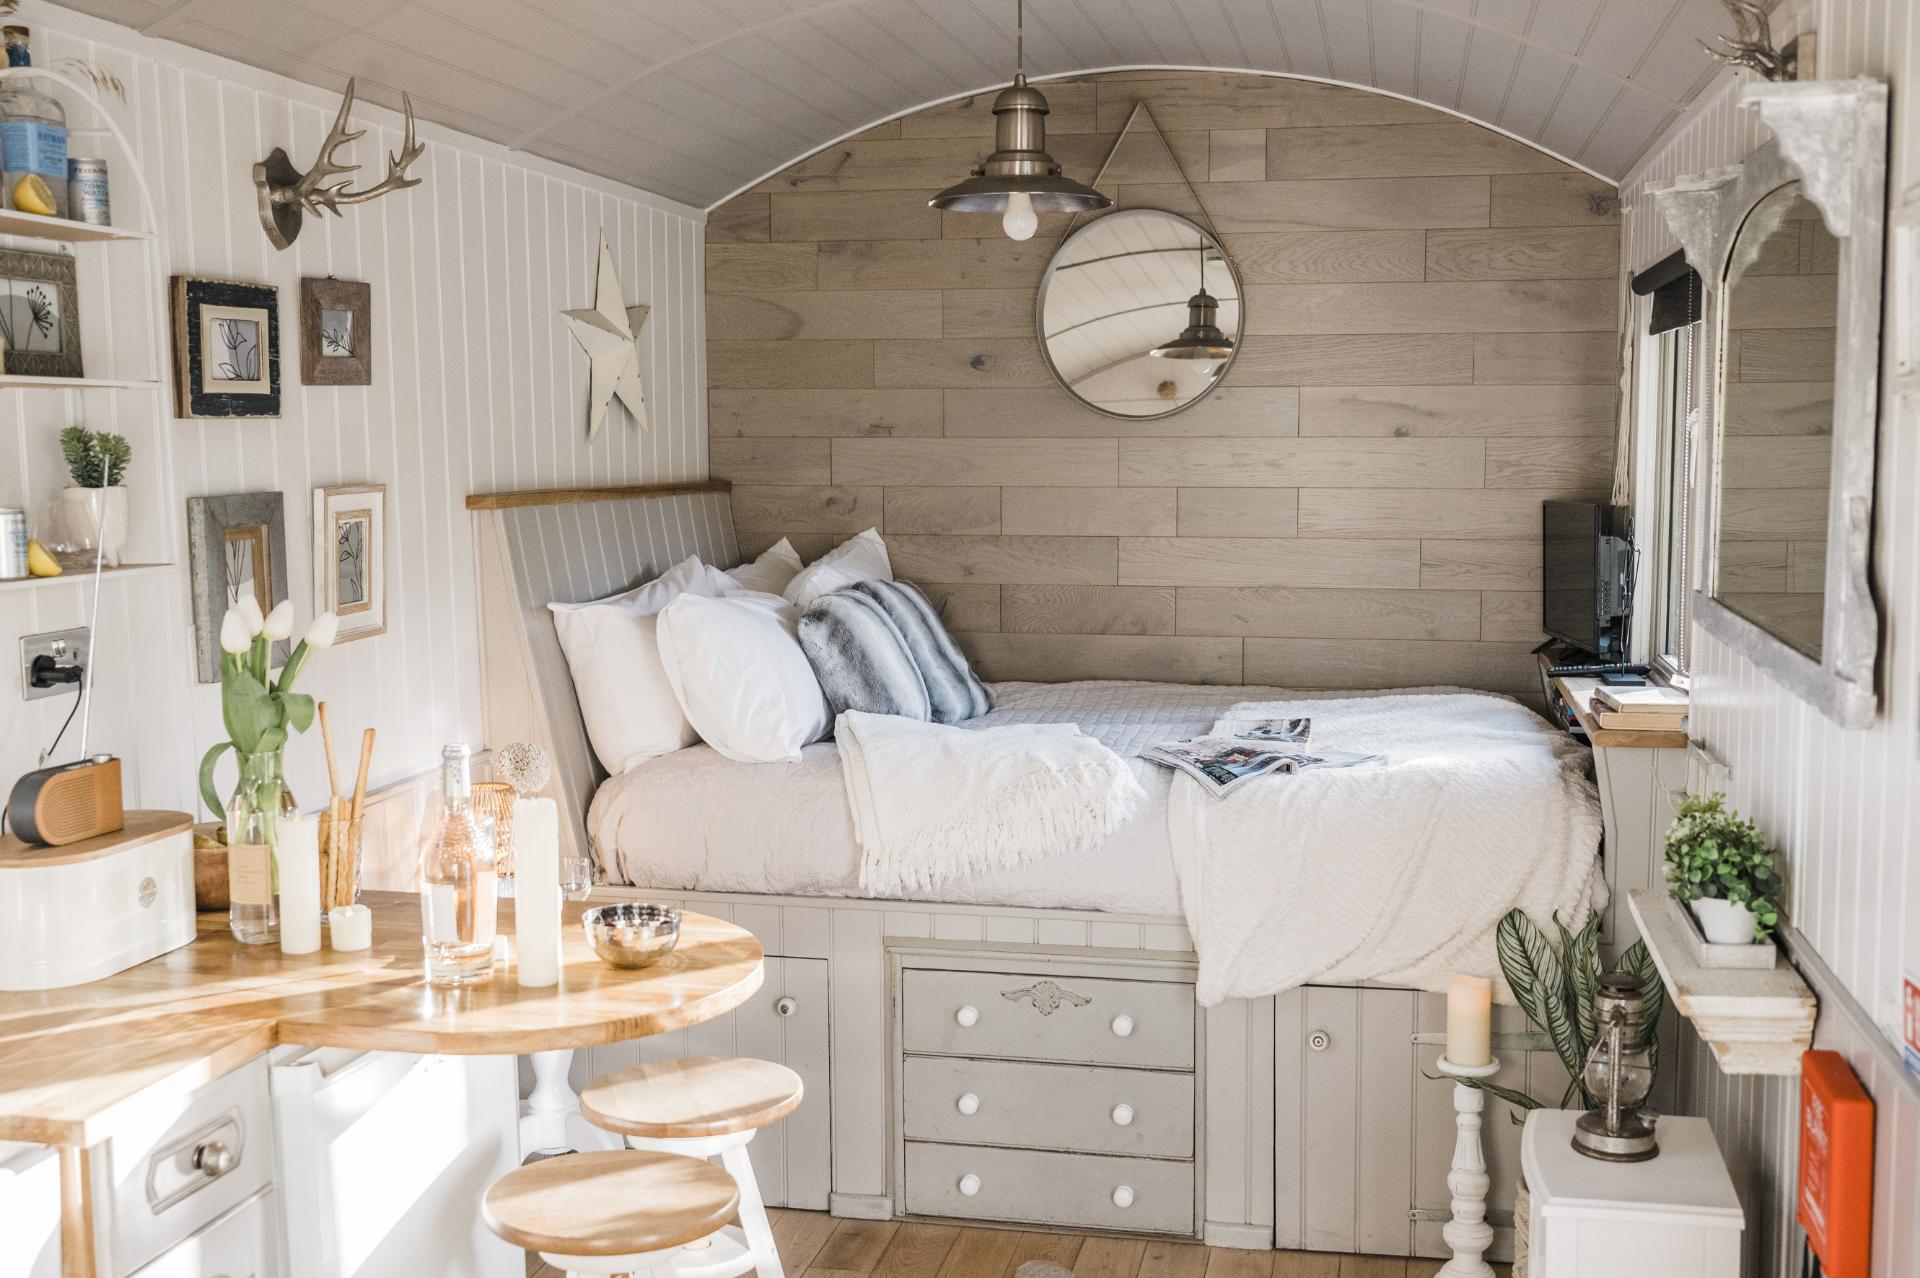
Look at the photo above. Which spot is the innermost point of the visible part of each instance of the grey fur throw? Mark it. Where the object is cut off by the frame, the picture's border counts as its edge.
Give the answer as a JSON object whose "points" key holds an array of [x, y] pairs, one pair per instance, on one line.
{"points": [[956, 693], [861, 658]]}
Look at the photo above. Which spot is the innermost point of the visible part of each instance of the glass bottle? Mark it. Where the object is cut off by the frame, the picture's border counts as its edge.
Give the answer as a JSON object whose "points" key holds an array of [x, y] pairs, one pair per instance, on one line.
{"points": [[33, 129], [253, 832], [458, 884]]}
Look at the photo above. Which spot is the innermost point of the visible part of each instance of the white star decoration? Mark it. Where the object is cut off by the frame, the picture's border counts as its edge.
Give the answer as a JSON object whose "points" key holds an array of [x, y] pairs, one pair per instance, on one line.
{"points": [[607, 334]]}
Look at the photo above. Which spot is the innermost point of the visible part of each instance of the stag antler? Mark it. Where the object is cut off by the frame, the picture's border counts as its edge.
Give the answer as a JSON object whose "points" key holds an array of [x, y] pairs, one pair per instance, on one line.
{"points": [[286, 193], [1752, 42]]}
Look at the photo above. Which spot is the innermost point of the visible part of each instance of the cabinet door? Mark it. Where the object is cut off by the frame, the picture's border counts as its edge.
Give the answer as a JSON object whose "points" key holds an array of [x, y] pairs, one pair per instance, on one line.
{"points": [[785, 1021]]}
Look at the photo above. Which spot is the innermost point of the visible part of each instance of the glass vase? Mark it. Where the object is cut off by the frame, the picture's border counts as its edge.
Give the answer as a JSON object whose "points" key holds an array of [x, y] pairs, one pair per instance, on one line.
{"points": [[254, 810]]}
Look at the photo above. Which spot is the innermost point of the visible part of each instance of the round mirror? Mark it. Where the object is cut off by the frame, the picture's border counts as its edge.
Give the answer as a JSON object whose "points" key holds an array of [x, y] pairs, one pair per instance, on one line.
{"points": [[1139, 313]]}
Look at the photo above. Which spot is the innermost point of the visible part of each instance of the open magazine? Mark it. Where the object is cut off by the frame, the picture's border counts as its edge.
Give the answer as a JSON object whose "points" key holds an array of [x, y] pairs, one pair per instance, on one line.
{"points": [[1224, 764]]}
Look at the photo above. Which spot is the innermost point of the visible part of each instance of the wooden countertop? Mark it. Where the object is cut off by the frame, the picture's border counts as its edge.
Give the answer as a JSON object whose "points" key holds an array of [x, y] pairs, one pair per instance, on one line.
{"points": [[74, 1062]]}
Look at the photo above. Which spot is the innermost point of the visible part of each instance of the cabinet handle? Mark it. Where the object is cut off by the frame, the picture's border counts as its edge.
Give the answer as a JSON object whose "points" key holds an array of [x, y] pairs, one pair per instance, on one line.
{"points": [[969, 1184], [215, 1158], [1123, 1115], [1123, 1196], [967, 1017], [1319, 1040], [786, 1006], [1122, 1025], [968, 1104]]}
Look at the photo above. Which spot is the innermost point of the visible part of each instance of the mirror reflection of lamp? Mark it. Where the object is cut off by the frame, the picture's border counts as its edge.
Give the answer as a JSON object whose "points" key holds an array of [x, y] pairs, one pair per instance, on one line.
{"points": [[1202, 338]]}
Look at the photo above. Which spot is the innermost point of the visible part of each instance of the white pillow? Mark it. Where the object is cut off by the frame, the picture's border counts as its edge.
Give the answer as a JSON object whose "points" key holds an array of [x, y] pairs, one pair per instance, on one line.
{"points": [[740, 676], [629, 707], [859, 558], [770, 573]]}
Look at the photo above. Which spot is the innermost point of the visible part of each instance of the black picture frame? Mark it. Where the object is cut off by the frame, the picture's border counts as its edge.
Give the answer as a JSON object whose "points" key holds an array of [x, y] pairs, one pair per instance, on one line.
{"points": [[199, 304]]}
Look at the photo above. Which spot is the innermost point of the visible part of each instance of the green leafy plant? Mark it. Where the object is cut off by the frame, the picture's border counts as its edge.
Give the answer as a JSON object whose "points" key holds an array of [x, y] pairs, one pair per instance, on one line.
{"points": [[95, 459], [1553, 980], [1717, 854]]}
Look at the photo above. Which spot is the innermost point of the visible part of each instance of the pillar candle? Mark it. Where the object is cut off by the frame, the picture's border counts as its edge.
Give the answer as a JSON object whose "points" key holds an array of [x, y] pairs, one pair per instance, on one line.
{"points": [[536, 902], [1470, 1020], [299, 884], [350, 927]]}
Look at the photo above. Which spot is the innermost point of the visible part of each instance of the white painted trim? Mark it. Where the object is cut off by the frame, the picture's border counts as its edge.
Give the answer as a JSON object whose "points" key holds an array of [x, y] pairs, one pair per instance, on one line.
{"points": [[1220, 1233], [861, 1206]]}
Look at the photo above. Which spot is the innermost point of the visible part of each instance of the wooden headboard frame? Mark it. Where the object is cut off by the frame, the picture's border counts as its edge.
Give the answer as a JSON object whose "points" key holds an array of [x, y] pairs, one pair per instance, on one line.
{"points": [[569, 545]]}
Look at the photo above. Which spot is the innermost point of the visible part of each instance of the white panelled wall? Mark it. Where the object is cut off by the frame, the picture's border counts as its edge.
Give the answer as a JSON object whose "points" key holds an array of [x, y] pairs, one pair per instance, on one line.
{"points": [[1841, 805], [477, 386]]}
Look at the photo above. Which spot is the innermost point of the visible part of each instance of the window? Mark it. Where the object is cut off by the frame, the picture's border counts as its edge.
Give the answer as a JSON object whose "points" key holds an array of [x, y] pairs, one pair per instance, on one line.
{"points": [[1673, 488]]}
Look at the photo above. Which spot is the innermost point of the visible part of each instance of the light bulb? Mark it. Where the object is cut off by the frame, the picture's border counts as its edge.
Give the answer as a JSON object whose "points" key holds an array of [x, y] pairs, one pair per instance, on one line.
{"points": [[1019, 221]]}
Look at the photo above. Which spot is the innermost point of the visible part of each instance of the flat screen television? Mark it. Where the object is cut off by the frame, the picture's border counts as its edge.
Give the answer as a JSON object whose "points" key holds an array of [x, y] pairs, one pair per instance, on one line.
{"points": [[1586, 576]]}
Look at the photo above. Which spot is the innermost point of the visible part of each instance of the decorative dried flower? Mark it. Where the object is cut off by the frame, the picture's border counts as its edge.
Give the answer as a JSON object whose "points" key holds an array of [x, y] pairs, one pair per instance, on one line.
{"points": [[524, 766]]}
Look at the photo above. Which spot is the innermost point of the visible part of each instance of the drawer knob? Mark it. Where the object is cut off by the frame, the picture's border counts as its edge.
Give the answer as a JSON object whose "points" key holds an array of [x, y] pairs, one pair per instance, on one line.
{"points": [[1123, 1115], [968, 1104], [970, 1184], [215, 1158], [1122, 1025], [1123, 1196], [1319, 1040], [967, 1017], [786, 1006]]}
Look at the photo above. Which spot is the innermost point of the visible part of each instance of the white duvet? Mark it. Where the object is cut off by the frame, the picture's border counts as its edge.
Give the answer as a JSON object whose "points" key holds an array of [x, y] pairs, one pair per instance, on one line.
{"points": [[1394, 871]]}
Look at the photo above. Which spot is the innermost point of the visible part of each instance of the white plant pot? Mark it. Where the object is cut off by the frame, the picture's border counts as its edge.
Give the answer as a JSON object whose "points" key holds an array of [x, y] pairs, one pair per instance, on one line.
{"points": [[1724, 922], [100, 516]]}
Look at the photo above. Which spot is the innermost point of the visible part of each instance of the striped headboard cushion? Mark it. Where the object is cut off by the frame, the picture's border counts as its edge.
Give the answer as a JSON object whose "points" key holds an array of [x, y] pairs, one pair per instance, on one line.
{"points": [[581, 546]]}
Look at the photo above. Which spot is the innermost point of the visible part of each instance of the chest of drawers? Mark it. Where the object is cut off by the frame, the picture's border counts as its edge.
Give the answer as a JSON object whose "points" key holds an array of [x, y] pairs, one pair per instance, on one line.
{"points": [[1047, 1092]]}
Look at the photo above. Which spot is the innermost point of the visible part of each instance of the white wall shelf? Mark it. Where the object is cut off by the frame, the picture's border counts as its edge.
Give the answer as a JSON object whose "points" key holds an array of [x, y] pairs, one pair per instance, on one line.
{"points": [[17, 381], [1756, 1022], [72, 575], [40, 227]]}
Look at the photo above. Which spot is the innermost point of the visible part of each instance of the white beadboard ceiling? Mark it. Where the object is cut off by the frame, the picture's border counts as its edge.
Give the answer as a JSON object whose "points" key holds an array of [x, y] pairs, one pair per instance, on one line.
{"points": [[696, 99]]}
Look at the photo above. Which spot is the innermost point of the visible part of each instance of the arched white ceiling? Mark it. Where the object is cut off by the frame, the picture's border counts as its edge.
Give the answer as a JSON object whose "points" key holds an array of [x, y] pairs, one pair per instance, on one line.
{"points": [[695, 99]]}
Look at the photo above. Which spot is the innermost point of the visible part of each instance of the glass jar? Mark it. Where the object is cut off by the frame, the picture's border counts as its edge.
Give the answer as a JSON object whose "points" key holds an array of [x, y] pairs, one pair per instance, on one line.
{"points": [[254, 810], [459, 886]]}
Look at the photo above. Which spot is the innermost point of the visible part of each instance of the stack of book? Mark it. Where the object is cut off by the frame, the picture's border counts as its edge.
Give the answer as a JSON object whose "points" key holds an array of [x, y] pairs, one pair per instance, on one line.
{"points": [[1654, 708]]}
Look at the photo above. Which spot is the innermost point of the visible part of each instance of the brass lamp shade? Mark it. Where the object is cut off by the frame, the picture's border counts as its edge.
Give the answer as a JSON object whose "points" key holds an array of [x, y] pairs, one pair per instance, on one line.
{"points": [[1201, 338], [1019, 164]]}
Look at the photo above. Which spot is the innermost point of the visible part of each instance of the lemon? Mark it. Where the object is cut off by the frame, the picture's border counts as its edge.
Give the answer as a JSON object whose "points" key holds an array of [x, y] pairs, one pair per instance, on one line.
{"points": [[39, 562], [31, 194]]}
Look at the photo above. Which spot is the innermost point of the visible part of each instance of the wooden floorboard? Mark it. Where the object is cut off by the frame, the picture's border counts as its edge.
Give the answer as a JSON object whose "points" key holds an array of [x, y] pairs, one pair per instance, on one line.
{"points": [[815, 1245]]}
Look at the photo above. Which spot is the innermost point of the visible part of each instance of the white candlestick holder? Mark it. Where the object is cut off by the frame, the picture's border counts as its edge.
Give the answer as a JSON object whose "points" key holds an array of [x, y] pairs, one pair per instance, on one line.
{"points": [[1468, 1233]]}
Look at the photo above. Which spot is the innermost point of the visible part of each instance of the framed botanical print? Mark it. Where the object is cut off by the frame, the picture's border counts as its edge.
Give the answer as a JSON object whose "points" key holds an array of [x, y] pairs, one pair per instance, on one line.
{"points": [[226, 348], [39, 314], [336, 332], [236, 547], [350, 557]]}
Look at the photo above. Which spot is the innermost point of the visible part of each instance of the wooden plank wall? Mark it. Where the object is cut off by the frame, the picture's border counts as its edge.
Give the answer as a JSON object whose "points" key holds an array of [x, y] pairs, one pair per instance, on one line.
{"points": [[1429, 353]]}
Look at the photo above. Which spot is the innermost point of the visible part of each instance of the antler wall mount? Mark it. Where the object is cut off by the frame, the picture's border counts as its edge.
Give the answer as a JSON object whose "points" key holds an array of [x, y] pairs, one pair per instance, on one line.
{"points": [[287, 195]]}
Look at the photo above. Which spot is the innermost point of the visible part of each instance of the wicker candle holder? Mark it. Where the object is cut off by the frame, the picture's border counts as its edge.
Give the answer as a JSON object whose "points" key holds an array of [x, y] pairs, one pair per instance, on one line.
{"points": [[495, 799]]}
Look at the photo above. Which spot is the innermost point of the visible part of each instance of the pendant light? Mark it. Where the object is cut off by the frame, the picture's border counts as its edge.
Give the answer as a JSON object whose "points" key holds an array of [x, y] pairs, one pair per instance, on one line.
{"points": [[1019, 180], [1201, 338]]}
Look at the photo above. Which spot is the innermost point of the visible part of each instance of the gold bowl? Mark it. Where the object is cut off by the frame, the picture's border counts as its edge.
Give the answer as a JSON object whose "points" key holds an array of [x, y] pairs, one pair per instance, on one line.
{"points": [[632, 933]]}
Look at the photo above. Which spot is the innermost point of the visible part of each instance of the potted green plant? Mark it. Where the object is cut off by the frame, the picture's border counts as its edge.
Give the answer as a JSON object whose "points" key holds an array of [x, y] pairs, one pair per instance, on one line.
{"points": [[1721, 868], [95, 506]]}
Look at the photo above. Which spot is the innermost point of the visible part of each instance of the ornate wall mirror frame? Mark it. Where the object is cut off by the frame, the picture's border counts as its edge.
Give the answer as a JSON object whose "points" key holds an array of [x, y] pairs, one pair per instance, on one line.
{"points": [[1830, 142]]}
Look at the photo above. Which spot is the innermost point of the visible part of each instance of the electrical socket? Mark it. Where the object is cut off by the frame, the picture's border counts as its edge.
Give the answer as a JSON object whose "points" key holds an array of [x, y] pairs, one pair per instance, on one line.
{"points": [[66, 647]]}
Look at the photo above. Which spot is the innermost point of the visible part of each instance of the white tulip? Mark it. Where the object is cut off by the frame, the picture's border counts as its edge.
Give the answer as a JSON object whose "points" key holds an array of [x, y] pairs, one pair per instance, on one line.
{"points": [[250, 615], [279, 623], [323, 630], [233, 633]]}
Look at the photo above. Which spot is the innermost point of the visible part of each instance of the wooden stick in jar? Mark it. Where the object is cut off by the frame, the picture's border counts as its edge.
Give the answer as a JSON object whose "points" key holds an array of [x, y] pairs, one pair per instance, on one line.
{"points": [[326, 741]]}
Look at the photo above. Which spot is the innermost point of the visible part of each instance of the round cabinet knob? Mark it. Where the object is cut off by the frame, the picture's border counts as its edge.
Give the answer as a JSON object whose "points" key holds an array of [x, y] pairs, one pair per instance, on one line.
{"points": [[786, 1007], [1319, 1040], [1123, 1115], [970, 1184], [215, 1158], [968, 1104], [1122, 1025], [967, 1017], [1123, 1196]]}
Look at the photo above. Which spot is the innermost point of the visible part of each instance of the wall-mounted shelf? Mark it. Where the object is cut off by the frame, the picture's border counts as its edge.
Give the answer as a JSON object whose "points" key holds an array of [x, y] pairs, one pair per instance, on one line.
{"points": [[41, 227], [1756, 1022], [18, 381], [80, 574]]}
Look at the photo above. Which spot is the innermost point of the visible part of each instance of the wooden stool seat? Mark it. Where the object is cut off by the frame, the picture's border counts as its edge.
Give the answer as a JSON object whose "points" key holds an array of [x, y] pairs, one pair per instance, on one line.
{"points": [[610, 1203], [692, 1097]]}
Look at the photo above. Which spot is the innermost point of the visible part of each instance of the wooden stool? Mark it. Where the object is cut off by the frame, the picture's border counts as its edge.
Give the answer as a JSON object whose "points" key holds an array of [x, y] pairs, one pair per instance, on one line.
{"points": [[618, 1211], [704, 1107]]}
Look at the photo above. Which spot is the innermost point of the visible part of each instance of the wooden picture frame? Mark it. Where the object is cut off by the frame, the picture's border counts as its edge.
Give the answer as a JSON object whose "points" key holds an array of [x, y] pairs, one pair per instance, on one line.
{"points": [[228, 538], [350, 558], [226, 348], [40, 314], [336, 332]]}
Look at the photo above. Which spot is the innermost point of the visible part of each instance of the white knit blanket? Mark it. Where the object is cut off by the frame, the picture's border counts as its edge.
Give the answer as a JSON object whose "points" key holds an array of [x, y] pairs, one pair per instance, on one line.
{"points": [[932, 803], [1394, 871]]}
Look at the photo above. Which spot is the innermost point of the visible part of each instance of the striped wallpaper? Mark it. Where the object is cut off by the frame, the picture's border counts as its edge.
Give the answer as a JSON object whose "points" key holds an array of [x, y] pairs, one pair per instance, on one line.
{"points": [[1840, 804], [477, 386]]}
